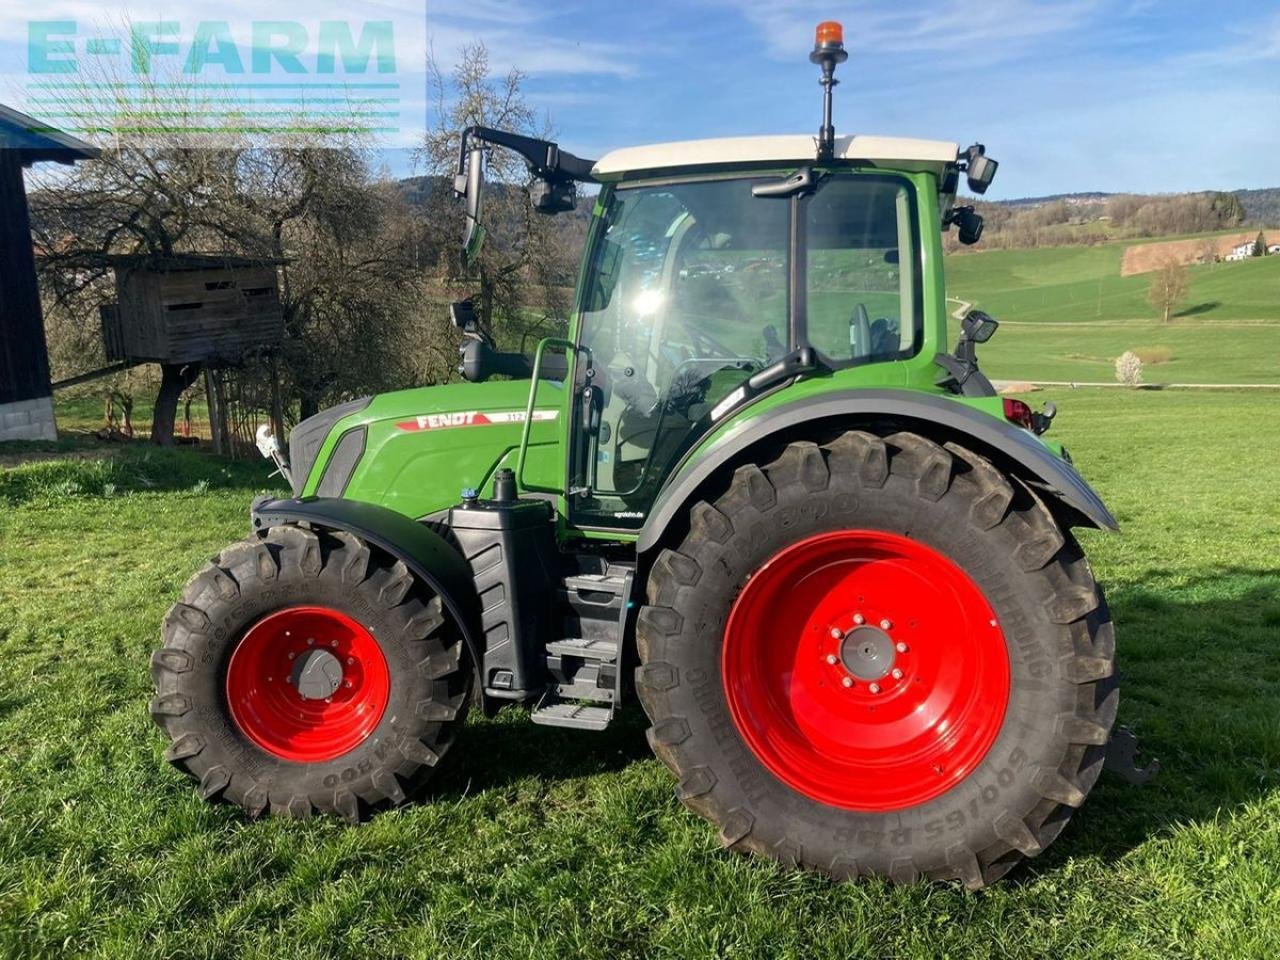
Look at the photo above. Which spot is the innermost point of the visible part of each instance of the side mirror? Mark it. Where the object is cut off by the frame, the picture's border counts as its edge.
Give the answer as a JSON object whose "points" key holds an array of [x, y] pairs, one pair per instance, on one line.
{"points": [[980, 169], [463, 314], [978, 327], [469, 184], [968, 224]]}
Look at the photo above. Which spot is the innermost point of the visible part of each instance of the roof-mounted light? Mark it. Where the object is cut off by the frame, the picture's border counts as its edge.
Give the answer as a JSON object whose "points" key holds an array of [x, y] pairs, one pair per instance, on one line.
{"points": [[830, 33], [828, 50]]}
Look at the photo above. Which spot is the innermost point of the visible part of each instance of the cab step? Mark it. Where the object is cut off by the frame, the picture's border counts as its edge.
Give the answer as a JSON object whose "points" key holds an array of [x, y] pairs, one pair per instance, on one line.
{"points": [[589, 648], [579, 716], [591, 610]]}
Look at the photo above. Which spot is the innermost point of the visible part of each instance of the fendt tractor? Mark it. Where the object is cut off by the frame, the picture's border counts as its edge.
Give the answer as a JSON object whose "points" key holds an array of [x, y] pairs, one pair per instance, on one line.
{"points": [[752, 489]]}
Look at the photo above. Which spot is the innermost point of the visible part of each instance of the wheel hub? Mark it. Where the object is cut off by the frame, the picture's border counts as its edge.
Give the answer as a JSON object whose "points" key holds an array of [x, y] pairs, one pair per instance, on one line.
{"points": [[316, 674], [867, 653]]}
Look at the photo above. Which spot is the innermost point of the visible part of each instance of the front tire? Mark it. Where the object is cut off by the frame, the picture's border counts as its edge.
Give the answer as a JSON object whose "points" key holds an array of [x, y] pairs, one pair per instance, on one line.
{"points": [[304, 671], [879, 656]]}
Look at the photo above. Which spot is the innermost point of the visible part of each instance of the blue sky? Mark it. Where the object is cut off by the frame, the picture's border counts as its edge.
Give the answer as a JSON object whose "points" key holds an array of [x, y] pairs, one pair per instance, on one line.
{"points": [[1069, 95]]}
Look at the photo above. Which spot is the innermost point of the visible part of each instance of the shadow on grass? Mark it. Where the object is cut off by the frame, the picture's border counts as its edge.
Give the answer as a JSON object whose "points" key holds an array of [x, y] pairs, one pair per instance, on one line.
{"points": [[494, 753], [1199, 308], [1200, 686]]}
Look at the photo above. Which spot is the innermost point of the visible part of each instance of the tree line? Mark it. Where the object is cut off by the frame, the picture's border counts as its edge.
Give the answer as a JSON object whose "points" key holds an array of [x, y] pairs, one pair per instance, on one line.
{"points": [[1086, 220]]}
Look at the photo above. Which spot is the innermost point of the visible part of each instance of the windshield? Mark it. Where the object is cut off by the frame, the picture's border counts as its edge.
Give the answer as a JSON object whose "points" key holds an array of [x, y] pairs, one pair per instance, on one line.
{"points": [[688, 292]]}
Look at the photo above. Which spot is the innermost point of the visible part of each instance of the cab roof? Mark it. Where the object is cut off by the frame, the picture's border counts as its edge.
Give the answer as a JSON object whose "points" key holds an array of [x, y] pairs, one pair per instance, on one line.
{"points": [[900, 153]]}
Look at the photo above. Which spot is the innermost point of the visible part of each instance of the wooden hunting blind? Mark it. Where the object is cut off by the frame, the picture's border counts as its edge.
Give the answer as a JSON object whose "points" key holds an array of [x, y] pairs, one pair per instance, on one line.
{"points": [[193, 309], [26, 395]]}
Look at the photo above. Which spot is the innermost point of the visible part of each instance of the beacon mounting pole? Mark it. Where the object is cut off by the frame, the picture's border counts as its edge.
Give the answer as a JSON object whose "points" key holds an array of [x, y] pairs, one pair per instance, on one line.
{"points": [[828, 50]]}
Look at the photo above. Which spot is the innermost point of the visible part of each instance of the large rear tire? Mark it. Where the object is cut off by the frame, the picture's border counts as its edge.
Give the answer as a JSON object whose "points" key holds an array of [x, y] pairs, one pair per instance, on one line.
{"points": [[879, 656], [305, 671]]}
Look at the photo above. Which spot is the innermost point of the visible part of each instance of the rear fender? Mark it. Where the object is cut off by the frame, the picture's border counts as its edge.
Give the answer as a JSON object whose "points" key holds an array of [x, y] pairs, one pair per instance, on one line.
{"points": [[935, 416], [426, 553]]}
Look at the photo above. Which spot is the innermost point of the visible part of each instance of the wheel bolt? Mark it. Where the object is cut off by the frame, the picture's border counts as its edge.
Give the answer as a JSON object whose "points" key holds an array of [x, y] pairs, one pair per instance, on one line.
{"points": [[874, 688], [292, 655], [347, 684], [897, 674], [836, 633], [350, 660], [885, 624], [832, 659], [333, 643], [901, 647], [311, 641], [859, 619], [847, 682], [328, 699]]}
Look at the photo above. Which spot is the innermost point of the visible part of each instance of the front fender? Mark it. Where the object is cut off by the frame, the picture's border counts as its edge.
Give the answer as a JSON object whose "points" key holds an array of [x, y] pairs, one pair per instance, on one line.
{"points": [[427, 554], [930, 414]]}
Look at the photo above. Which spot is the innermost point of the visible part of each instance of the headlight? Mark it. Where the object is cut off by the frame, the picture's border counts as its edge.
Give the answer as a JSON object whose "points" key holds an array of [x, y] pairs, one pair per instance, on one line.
{"points": [[308, 437]]}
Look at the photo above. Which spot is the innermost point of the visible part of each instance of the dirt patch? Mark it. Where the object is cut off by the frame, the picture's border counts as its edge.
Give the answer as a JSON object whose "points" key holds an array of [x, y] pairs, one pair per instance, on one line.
{"points": [[1146, 257]]}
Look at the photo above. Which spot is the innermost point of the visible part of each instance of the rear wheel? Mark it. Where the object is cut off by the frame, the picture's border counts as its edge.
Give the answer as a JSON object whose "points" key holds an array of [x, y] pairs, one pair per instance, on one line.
{"points": [[305, 671], [879, 656]]}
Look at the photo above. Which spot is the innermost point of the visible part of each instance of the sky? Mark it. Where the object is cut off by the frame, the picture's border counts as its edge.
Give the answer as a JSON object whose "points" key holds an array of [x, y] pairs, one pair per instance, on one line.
{"points": [[1069, 95]]}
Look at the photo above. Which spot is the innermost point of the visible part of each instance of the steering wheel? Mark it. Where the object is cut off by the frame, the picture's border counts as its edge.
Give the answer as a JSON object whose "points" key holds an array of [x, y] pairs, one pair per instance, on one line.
{"points": [[860, 327]]}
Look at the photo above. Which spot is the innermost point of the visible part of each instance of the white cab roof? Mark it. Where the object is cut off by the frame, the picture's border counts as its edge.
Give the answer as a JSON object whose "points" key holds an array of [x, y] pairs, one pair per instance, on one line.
{"points": [[898, 152]]}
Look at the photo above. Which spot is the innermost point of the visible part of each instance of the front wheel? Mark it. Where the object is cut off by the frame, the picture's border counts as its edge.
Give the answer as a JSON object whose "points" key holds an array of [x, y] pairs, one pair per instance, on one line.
{"points": [[879, 656], [305, 671]]}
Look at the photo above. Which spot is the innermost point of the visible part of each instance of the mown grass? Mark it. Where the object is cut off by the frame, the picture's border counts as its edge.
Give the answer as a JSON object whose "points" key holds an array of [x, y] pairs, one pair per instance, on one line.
{"points": [[545, 843], [1068, 314]]}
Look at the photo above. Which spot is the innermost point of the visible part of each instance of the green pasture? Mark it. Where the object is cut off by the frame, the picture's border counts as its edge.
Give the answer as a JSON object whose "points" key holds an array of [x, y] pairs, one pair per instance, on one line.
{"points": [[1067, 314], [536, 842]]}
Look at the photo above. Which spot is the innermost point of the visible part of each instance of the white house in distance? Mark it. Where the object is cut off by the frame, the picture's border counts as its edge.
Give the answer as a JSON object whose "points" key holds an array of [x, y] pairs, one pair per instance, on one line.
{"points": [[1243, 251]]}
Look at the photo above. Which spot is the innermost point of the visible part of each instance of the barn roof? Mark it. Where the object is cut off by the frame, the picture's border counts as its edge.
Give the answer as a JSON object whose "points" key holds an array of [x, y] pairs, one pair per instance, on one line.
{"points": [[37, 142]]}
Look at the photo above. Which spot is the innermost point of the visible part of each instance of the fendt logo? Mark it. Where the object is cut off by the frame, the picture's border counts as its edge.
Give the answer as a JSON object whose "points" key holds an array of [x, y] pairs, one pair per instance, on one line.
{"points": [[472, 418]]}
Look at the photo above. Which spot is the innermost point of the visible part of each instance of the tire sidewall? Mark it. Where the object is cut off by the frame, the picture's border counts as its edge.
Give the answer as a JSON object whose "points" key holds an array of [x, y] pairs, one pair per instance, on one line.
{"points": [[229, 621], [963, 816]]}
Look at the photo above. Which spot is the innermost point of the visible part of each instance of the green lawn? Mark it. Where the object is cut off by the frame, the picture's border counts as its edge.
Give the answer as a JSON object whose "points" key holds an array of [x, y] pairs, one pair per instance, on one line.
{"points": [[1068, 314], [559, 844]]}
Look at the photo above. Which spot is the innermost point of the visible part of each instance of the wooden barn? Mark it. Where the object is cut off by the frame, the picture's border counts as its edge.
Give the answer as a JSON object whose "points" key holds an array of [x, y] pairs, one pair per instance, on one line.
{"points": [[192, 309], [26, 397]]}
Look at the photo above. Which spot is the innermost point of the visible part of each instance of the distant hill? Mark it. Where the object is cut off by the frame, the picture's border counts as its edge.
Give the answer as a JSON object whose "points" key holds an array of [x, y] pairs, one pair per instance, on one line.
{"points": [[1261, 206]]}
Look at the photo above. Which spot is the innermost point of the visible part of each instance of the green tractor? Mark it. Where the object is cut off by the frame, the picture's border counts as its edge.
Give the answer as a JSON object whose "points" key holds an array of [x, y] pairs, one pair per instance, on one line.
{"points": [[752, 490]]}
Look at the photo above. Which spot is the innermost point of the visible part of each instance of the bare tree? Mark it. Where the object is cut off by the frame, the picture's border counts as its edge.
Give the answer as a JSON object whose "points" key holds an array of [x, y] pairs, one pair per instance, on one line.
{"points": [[1168, 288]]}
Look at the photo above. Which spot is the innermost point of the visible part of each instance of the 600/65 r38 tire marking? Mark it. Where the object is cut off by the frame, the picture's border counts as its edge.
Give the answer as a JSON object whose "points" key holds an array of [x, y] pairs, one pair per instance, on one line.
{"points": [[865, 670]]}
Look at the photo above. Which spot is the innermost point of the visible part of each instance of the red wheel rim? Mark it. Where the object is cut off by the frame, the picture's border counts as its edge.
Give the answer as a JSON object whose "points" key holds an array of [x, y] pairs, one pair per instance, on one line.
{"points": [[269, 699], [865, 670]]}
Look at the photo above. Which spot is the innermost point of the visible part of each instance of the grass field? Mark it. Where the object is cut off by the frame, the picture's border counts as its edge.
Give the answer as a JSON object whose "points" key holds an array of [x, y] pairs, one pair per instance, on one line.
{"points": [[1068, 314], [545, 843]]}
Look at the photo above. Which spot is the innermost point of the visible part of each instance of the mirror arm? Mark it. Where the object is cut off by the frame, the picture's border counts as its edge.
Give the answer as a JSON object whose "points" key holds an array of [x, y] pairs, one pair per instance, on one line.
{"points": [[545, 159]]}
